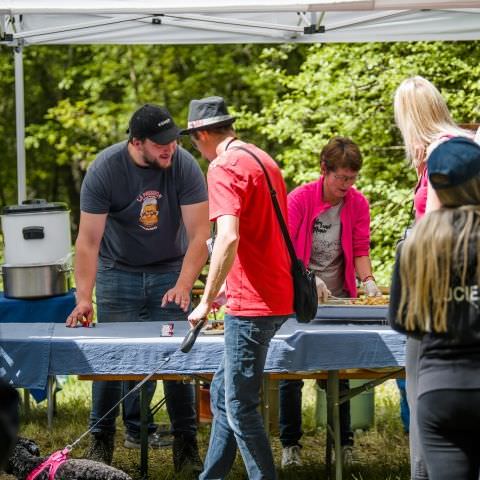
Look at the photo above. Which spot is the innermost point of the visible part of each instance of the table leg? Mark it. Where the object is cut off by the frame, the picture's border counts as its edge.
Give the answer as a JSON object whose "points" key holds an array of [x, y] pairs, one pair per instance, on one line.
{"points": [[50, 400], [333, 425], [26, 403], [328, 446], [144, 406], [54, 399]]}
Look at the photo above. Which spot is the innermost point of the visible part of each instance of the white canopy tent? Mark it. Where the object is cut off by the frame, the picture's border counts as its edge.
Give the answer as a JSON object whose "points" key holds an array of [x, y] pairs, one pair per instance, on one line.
{"points": [[39, 22], [229, 21]]}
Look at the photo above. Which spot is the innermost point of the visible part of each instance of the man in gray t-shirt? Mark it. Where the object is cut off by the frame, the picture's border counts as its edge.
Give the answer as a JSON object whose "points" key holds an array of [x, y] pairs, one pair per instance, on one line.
{"points": [[142, 242]]}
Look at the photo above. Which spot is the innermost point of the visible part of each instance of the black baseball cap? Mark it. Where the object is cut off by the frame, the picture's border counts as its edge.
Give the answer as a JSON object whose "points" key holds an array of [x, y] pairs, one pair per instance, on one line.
{"points": [[453, 162], [153, 122]]}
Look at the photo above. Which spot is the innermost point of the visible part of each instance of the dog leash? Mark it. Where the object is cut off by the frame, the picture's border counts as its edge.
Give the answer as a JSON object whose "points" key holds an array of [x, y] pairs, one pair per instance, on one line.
{"points": [[185, 347], [58, 458]]}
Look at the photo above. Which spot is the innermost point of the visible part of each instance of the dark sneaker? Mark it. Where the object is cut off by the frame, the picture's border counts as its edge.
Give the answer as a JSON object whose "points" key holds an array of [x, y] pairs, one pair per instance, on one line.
{"points": [[348, 457], [291, 456], [101, 447], [185, 455], [154, 441]]}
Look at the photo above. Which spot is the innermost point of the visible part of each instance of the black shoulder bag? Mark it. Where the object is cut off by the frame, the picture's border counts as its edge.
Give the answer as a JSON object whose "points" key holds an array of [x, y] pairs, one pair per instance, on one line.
{"points": [[305, 300]]}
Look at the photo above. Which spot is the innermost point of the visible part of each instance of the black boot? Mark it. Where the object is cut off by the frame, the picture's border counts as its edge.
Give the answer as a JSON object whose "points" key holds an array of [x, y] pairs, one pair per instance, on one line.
{"points": [[101, 447], [185, 455]]}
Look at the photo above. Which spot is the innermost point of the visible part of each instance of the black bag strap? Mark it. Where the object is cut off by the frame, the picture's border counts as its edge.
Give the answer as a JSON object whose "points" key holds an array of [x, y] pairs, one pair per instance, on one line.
{"points": [[276, 206]]}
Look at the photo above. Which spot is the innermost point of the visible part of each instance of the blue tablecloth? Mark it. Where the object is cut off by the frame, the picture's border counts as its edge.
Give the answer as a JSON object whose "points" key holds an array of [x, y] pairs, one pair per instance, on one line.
{"points": [[45, 310], [28, 353]]}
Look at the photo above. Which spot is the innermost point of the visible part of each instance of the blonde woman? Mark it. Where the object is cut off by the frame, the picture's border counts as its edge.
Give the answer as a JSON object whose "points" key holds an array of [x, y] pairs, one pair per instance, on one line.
{"points": [[435, 296], [423, 118]]}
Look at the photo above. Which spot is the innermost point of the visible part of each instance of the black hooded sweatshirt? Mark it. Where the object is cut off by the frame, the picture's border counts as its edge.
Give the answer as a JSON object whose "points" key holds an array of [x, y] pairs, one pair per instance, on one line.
{"points": [[450, 360]]}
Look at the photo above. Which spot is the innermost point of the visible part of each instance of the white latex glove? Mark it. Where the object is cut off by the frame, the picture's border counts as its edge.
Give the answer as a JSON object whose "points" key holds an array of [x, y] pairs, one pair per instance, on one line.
{"points": [[371, 289], [322, 290]]}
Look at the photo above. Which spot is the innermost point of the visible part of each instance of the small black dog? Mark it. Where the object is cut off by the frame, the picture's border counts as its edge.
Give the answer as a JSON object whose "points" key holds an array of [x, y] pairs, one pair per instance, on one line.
{"points": [[25, 457]]}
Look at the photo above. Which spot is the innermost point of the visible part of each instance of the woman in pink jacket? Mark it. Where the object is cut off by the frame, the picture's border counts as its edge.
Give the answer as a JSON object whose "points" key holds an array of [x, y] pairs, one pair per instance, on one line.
{"points": [[329, 222]]}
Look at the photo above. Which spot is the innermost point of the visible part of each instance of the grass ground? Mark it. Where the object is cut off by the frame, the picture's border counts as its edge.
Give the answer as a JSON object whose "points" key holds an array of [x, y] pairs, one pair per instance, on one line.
{"points": [[382, 452]]}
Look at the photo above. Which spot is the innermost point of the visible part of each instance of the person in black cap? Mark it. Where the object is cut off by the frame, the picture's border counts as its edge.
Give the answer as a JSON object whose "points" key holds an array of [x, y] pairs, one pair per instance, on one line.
{"points": [[435, 297], [251, 255], [423, 118], [143, 228]]}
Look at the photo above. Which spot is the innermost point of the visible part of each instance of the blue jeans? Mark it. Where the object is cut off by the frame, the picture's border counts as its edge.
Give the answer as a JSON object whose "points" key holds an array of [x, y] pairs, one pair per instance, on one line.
{"points": [[133, 297], [404, 409], [235, 397], [290, 418]]}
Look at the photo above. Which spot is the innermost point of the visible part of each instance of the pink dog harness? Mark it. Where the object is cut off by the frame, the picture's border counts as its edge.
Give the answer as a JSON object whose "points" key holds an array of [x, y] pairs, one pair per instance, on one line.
{"points": [[51, 464]]}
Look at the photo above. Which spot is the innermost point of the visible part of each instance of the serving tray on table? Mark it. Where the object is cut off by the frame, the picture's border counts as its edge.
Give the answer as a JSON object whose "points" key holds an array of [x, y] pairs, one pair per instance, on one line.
{"points": [[215, 327], [345, 313], [213, 331]]}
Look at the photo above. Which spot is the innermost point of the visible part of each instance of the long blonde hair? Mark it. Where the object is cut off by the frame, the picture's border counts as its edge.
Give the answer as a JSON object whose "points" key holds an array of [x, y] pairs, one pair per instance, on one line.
{"points": [[422, 116], [443, 245]]}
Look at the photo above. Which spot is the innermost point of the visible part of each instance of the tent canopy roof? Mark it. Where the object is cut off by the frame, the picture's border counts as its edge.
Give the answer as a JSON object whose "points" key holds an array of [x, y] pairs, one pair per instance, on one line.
{"points": [[30, 22], [42, 22]]}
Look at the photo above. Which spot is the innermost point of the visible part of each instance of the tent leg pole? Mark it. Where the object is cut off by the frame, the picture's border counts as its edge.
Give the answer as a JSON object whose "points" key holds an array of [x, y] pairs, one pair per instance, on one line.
{"points": [[20, 123]]}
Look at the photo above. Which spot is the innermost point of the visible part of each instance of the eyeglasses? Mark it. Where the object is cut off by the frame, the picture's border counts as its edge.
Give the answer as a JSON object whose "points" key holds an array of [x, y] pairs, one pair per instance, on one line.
{"points": [[193, 141], [346, 178]]}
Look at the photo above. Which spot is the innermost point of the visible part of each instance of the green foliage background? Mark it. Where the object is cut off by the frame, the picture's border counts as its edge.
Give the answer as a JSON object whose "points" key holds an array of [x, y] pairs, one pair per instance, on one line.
{"points": [[289, 99]]}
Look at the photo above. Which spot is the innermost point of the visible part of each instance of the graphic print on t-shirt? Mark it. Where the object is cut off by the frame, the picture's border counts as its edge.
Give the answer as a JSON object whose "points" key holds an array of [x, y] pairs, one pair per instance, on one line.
{"points": [[149, 209], [321, 227], [327, 246], [326, 258]]}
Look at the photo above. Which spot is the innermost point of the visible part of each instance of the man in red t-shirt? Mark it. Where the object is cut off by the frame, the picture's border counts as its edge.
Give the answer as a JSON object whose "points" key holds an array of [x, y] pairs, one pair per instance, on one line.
{"points": [[250, 257]]}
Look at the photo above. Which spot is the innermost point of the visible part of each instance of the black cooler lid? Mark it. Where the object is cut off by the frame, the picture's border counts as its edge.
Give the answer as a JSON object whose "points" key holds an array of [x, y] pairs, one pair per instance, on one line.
{"points": [[35, 205]]}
